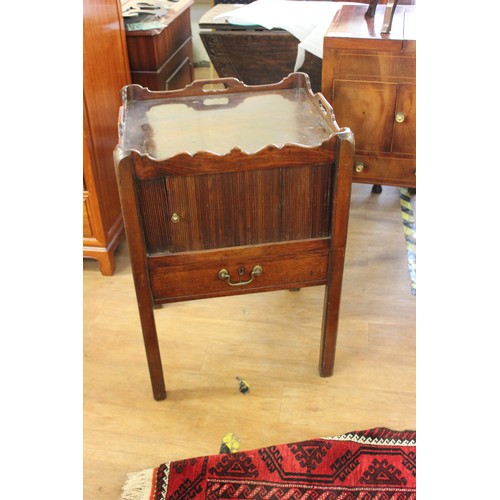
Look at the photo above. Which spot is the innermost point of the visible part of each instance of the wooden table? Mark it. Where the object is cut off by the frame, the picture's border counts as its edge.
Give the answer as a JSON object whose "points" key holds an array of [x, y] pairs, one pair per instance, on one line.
{"points": [[370, 79], [162, 58], [233, 190]]}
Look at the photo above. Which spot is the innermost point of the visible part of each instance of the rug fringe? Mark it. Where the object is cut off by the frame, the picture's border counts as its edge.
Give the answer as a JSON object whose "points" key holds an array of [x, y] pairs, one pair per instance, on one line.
{"points": [[138, 485]]}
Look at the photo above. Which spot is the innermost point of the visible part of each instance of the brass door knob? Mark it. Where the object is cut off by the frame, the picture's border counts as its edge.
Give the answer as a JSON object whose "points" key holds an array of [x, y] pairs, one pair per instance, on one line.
{"points": [[359, 166], [400, 117], [175, 218]]}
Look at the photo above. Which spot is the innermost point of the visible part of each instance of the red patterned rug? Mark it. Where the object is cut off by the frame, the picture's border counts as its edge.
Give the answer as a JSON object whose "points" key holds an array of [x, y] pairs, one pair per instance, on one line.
{"points": [[372, 464]]}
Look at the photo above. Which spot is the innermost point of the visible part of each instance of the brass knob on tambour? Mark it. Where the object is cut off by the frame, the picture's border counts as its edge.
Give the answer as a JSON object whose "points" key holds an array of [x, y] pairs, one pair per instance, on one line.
{"points": [[175, 218], [359, 166], [400, 117]]}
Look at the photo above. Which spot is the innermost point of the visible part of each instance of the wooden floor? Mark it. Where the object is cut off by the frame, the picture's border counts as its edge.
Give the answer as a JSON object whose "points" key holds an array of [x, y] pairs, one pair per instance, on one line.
{"points": [[271, 340]]}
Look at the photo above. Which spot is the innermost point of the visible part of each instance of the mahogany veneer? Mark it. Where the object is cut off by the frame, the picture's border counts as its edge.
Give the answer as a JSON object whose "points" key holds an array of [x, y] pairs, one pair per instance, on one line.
{"points": [[105, 72], [162, 58]]}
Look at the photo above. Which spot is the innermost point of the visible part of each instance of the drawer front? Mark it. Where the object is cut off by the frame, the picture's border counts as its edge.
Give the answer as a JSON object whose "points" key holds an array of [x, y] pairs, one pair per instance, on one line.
{"points": [[238, 270], [181, 77], [385, 170], [356, 65], [175, 73]]}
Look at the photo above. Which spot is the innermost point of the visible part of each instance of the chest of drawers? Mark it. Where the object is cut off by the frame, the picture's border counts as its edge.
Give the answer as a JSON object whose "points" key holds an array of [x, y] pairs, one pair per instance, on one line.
{"points": [[162, 58], [231, 189]]}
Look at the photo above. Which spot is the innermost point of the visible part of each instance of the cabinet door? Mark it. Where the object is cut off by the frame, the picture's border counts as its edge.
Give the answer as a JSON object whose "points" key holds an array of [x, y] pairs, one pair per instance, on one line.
{"points": [[367, 108], [405, 120], [202, 212]]}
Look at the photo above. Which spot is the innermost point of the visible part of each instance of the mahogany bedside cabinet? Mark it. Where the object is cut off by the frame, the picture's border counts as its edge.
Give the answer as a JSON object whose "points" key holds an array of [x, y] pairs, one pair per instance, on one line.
{"points": [[369, 77], [231, 189]]}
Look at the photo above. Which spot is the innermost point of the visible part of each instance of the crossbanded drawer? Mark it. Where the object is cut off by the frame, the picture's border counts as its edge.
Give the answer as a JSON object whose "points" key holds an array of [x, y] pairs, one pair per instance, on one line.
{"points": [[366, 65], [393, 171], [193, 275]]}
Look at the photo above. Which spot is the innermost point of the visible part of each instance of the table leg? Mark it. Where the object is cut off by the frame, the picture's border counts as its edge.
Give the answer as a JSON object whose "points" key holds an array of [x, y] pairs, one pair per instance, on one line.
{"points": [[331, 308], [152, 350]]}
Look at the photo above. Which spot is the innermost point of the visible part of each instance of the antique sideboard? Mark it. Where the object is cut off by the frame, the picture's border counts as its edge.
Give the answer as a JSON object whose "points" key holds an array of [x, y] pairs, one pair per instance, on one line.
{"points": [[230, 189]]}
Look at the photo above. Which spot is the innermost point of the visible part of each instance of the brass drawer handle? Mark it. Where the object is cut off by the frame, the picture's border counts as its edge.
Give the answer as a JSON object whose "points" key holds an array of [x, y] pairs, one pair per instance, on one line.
{"points": [[224, 275]]}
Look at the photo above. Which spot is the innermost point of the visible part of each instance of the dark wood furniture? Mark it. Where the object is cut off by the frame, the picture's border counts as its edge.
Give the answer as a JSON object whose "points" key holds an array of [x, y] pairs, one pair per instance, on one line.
{"points": [[233, 190], [162, 58], [105, 72], [370, 79], [388, 15], [253, 54]]}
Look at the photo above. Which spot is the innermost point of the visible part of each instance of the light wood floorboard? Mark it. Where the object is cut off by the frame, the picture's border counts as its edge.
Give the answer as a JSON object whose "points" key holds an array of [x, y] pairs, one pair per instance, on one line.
{"points": [[271, 340]]}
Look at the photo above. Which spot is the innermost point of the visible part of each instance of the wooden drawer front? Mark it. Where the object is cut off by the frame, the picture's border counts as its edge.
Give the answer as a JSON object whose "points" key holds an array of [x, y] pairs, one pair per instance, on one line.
{"points": [[87, 217], [181, 77], [385, 170], [202, 212], [175, 73], [196, 275], [352, 65]]}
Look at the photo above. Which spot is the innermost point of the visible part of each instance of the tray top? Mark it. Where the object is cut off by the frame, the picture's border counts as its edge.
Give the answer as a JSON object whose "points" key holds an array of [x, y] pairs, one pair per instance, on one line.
{"points": [[219, 122]]}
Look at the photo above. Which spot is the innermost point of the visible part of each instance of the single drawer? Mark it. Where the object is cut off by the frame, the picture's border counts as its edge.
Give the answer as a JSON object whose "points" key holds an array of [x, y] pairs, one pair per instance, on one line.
{"points": [[385, 170], [235, 270], [164, 78], [375, 66]]}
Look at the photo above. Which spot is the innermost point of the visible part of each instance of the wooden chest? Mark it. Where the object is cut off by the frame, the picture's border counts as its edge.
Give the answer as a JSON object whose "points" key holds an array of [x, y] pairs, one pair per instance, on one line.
{"points": [[232, 189], [253, 54]]}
